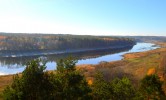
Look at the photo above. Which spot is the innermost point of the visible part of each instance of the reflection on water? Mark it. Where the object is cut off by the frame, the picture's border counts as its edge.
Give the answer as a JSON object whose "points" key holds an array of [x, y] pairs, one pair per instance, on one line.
{"points": [[17, 61], [17, 64], [139, 47]]}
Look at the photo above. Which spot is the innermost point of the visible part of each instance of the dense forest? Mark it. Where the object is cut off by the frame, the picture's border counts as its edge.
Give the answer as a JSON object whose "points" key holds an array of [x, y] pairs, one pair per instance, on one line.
{"points": [[57, 42], [14, 43]]}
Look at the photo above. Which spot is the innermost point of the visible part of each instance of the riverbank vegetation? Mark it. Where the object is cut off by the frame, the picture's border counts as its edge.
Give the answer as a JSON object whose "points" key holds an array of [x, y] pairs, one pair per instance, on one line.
{"points": [[134, 65], [12, 43], [67, 83]]}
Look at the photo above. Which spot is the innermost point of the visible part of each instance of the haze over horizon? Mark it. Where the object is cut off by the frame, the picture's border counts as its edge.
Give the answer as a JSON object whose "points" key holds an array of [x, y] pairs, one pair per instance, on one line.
{"points": [[84, 17]]}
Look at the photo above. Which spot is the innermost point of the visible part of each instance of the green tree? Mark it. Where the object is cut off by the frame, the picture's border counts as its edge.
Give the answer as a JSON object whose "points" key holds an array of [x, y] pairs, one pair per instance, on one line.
{"points": [[33, 84], [13, 92], [122, 89], [151, 87], [101, 89], [66, 83], [71, 84]]}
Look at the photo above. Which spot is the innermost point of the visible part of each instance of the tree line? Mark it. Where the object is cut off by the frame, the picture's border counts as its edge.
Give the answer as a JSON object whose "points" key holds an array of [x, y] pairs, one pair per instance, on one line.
{"points": [[67, 83], [32, 42]]}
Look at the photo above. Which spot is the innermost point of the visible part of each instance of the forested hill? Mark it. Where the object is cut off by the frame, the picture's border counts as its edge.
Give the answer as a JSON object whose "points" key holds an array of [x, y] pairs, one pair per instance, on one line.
{"points": [[30, 42]]}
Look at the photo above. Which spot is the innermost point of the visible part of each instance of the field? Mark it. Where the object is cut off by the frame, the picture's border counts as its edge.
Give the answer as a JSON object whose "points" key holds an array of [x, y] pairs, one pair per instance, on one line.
{"points": [[134, 65]]}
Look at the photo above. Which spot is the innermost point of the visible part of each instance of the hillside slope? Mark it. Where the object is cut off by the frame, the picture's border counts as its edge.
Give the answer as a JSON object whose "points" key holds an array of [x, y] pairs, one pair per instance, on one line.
{"points": [[12, 44]]}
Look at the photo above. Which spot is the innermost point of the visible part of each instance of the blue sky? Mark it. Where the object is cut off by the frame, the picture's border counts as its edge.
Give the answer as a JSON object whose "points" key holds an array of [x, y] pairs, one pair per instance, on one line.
{"points": [[89, 17]]}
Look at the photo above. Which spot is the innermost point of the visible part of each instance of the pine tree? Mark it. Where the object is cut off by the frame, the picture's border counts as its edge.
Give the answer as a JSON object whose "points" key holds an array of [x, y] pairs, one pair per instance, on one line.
{"points": [[122, 89], [33, 84], [101, 89], [72, 85], [151, 87]]}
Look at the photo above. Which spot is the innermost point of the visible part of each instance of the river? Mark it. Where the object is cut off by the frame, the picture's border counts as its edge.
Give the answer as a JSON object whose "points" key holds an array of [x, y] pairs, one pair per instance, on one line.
{"points": [[16, 65]]}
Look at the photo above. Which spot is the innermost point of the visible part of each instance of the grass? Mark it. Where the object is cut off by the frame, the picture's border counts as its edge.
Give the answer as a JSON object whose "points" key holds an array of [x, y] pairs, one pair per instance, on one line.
{"points": [[4, 81]]}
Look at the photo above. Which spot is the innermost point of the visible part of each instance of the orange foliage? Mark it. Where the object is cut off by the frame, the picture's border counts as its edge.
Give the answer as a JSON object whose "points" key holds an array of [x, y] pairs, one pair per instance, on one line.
{"points": [[90, 82], [151, 71]]}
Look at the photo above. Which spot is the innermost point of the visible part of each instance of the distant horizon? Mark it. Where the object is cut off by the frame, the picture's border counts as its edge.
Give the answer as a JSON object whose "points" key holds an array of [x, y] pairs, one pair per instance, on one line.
{"points": [[79, 34], [84, 17]]}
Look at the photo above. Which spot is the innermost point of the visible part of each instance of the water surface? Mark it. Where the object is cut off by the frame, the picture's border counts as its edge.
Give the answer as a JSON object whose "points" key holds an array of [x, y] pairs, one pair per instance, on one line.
{"points": [[14, 65]]}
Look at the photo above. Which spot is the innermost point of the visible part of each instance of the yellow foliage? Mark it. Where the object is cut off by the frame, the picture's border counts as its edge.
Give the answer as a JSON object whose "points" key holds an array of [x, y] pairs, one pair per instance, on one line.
{"points": [[90, 82], [151, 71]]}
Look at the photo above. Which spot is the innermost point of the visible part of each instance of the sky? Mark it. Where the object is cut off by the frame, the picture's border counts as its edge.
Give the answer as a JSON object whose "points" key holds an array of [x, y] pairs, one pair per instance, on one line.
{"points": [[84, 17]]}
